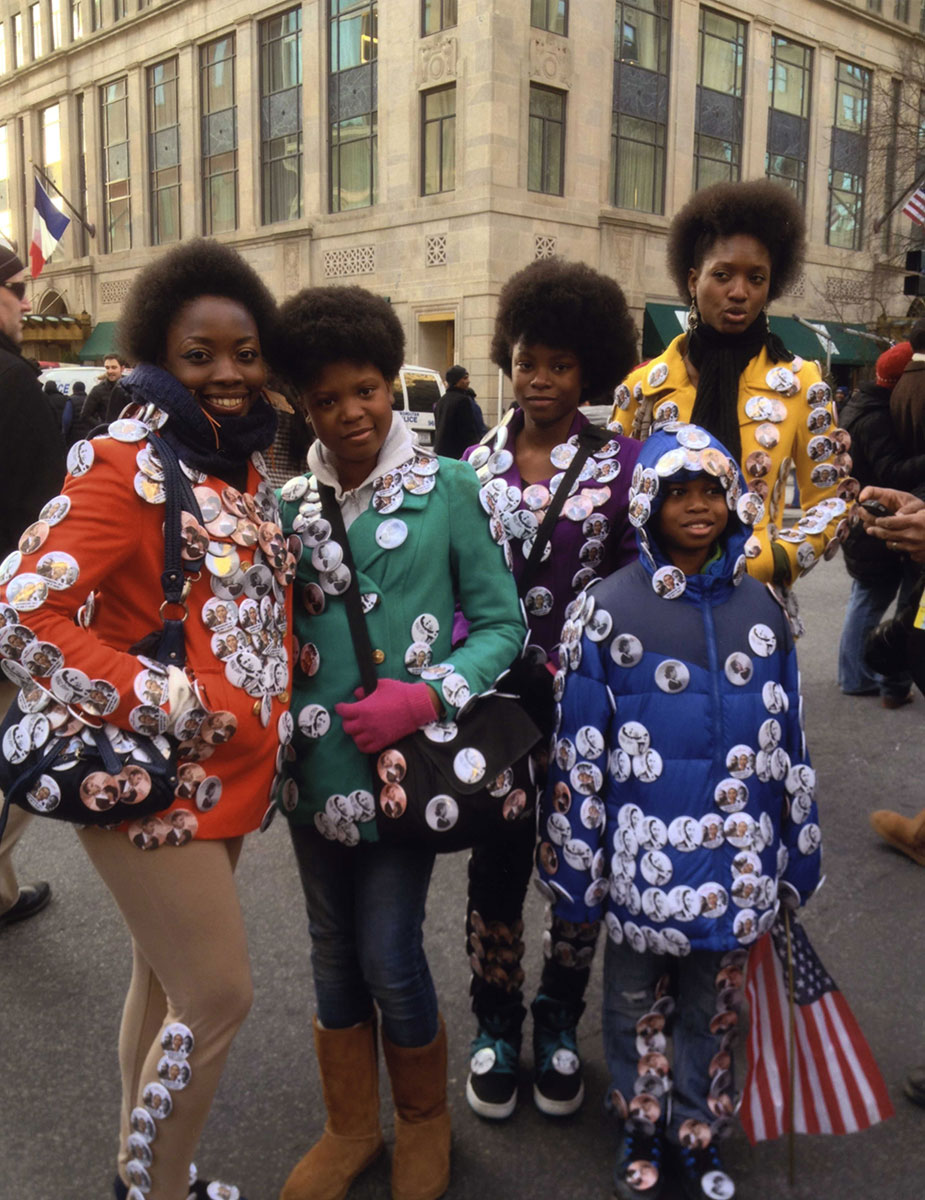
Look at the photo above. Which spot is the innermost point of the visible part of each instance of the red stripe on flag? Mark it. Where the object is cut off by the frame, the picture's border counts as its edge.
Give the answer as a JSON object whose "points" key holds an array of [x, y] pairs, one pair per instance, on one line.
{"points": [[852, 1094], [819, 1052], [872, 1090]]}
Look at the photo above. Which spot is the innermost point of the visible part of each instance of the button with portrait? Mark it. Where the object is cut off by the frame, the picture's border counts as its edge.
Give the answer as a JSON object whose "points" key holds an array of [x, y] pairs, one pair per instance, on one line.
{"points": [[684, 903], [469, 765], [314, 721], [738, 668], [712, 832], [669, 582], [586, 778], [685, 834], [714, 900]]}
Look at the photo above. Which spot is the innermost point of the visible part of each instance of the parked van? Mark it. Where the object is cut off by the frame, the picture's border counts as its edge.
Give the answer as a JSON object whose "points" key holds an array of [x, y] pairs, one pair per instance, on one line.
{"points": [[66, 375], [414, 394]]}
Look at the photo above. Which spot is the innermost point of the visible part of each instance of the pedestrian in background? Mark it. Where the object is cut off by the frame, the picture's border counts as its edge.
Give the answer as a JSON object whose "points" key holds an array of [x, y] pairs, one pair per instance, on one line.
{"points": [[459, 421], [882, 458], [32, 469]]}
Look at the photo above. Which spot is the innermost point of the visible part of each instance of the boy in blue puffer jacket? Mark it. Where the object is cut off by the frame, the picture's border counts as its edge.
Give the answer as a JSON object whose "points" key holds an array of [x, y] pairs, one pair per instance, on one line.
{"points": [[680, 803]]}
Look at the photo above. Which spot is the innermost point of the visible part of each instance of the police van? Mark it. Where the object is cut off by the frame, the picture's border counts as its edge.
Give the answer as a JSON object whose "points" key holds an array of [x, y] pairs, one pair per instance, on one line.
{"points": [[414, 394]]}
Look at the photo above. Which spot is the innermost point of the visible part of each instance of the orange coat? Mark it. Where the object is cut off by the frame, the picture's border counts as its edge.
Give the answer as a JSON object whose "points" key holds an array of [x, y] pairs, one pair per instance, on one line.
{"points": [[102, 556]]}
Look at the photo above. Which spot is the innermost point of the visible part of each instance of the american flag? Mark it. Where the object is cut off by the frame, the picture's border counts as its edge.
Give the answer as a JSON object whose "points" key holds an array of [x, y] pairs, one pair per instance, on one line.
{"points": [[838, 1087], [915, 206]]}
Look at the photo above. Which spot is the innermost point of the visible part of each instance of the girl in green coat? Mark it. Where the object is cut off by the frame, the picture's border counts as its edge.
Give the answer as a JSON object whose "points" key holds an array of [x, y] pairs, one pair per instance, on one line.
{"points": [[421, 544]]}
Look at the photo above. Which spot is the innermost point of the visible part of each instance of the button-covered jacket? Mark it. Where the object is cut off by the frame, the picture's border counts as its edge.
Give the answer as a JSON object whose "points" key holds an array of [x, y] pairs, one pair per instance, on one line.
{"points": [[680, 790], [786, 420]]}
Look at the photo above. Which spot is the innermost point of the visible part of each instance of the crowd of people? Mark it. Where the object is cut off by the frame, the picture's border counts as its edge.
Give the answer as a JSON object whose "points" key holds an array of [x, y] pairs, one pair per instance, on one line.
{"points": [[644, 571]]}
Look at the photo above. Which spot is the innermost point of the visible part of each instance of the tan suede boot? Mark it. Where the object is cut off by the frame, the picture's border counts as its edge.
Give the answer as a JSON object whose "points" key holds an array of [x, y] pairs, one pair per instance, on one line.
{"points": [[421, 1162], [352, 1138], [905, 833]]}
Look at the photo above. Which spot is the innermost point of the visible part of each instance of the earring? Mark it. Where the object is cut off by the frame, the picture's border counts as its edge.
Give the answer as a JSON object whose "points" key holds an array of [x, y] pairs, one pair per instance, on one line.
{"points": [[767, 322], [693, 315]]}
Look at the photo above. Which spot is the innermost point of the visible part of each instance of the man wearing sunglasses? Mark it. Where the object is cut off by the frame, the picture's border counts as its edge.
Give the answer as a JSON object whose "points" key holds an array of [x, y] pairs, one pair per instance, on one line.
{"points": [[32, 470]]}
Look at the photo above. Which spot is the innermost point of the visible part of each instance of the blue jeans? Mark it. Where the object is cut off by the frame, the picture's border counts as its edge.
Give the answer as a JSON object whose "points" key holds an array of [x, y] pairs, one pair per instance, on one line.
{"points": [[366, 907], [866, 605], [702, 1068]]}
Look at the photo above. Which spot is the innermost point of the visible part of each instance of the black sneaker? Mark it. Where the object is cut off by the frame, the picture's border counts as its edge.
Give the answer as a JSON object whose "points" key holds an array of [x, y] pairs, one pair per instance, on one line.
{"points": [[558, 1089], [491, 1088], [702, 1174], [639, 1173]]}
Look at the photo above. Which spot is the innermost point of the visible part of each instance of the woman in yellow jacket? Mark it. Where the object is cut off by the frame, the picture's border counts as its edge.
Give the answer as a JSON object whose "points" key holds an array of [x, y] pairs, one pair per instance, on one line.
{"points": [[732, 249]]}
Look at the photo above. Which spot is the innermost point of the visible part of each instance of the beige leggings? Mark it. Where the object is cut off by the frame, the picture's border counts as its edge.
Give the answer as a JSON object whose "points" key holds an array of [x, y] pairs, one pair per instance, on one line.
{"points": [[190, 968]]}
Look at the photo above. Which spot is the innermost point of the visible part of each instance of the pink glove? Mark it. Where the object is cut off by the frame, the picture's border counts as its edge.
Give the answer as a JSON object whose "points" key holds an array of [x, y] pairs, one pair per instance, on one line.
{"points": [[394, 710]]}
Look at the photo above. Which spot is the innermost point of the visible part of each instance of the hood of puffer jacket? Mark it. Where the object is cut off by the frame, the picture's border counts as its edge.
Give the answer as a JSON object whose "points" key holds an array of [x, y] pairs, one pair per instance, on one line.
{"points": [[678, 453]]}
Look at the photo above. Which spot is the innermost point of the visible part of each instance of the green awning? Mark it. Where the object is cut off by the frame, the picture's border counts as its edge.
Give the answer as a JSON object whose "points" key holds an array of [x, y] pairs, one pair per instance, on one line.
{"points": [[102, 341], [663, 322]]}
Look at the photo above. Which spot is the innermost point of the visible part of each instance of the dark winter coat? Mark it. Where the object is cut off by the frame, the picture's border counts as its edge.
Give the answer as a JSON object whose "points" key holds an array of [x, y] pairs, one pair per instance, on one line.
{"points": [[880, 460], [459, 423], [32, 449]]}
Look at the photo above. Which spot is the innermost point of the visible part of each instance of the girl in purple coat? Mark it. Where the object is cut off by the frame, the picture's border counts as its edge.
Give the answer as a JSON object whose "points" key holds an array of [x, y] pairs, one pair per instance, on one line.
{"points": [[564, 336]]}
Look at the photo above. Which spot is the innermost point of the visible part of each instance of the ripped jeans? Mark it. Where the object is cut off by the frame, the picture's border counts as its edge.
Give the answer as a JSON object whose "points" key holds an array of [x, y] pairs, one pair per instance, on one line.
{"points": [[652, 1001]]}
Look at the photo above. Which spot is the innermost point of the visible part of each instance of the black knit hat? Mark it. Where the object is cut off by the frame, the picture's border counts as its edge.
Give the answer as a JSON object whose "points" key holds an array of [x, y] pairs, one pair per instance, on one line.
{"points": [[455, 373], [10, 263]]}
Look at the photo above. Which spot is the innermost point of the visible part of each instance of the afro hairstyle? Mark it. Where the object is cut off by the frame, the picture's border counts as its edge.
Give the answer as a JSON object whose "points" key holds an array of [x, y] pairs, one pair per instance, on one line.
{"points": [[572, 307], [766, 211], [323, 325], [199, 267]]}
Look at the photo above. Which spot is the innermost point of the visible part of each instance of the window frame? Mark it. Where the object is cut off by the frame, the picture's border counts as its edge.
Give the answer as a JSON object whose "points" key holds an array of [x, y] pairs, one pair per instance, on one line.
{"points": [[549, 17], [441, 123], [156, 188], [561, 122]]}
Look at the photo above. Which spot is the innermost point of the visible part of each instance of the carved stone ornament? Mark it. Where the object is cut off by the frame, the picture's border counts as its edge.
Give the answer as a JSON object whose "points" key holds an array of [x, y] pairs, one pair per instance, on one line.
{"points": [[437, 61], [549, 60]]}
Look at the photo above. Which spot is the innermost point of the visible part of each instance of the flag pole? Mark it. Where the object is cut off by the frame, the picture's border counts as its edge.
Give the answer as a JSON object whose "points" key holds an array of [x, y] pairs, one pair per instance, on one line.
{"points": [[903, 195], [791, 1134], [88, 226]]}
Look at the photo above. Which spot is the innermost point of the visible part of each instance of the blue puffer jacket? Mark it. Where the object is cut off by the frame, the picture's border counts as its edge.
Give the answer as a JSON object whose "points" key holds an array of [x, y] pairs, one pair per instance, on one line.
{"points": [[680, 802]]}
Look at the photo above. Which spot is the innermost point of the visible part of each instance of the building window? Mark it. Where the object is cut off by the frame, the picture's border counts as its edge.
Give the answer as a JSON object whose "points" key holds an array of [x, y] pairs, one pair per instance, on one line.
{"points": [[789, 86], [2, 48], [353, 103], [437, 15], [77, 19], [550, 14], [640, 105], [81, 245], [848, 165], [96, 13], [438, 141], [56, 32], [281, 116], [6, 211], [117, 193], [901, 11], [720, 92], [119, 9], [51, 155], [35, 18], [219, 136], [164, 151], [546, 144], [875, 6], [18, 48]]}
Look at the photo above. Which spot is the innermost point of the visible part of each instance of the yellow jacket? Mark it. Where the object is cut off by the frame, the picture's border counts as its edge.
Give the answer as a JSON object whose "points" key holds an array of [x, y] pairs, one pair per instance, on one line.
{"points": [[786, 420]]}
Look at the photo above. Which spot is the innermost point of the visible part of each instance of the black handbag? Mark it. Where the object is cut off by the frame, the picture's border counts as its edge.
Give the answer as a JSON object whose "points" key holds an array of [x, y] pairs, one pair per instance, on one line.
{"points": [[451, 784], [56, 762]]}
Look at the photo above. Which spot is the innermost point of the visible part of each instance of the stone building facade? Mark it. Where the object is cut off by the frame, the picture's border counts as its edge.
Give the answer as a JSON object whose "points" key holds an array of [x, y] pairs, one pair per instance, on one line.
{"points": [[427, 148]]}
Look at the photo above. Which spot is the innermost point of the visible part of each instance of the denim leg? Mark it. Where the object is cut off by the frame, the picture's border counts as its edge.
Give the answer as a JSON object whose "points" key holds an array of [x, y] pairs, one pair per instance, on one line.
{"points": [[633, 1027], [706, 1024], [366, 907], [328, 873], [391, 896], [866, 605]]}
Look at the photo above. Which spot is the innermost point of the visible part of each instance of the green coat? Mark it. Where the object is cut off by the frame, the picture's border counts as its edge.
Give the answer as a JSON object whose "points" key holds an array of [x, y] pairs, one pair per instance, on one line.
{"points": [[447, 556]]}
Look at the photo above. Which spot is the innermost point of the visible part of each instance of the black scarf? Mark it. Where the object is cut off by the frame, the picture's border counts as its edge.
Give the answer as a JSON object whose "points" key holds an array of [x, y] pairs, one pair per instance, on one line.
{"points": [[720, 359], [220, 446]]}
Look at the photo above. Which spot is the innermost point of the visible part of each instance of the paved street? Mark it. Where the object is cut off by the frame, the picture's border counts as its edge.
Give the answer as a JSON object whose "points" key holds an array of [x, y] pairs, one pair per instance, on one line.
{"points": [[62, 978]]}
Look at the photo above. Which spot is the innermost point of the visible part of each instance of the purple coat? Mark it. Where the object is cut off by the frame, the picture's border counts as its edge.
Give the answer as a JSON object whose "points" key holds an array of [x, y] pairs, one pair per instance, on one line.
{"points": [[592, 537]]}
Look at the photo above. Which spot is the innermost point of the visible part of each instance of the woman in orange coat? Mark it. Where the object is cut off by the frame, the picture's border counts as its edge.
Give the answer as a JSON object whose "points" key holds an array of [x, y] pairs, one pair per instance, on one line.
{"points": [[77, 602]]}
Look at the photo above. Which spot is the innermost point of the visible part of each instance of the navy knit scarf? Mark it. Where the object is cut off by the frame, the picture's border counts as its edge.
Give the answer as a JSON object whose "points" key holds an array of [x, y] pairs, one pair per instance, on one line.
{"points": [[219, 446]]}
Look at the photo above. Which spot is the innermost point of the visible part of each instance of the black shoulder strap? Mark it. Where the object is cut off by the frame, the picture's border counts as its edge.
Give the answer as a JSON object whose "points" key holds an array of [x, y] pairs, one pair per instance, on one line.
{"points": [[590, 438], [359, 633], [179, 497]]}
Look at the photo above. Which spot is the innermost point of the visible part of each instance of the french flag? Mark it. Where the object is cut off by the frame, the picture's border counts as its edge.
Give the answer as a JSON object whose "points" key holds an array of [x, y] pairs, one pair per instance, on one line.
{"points": [[48, 226]]}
